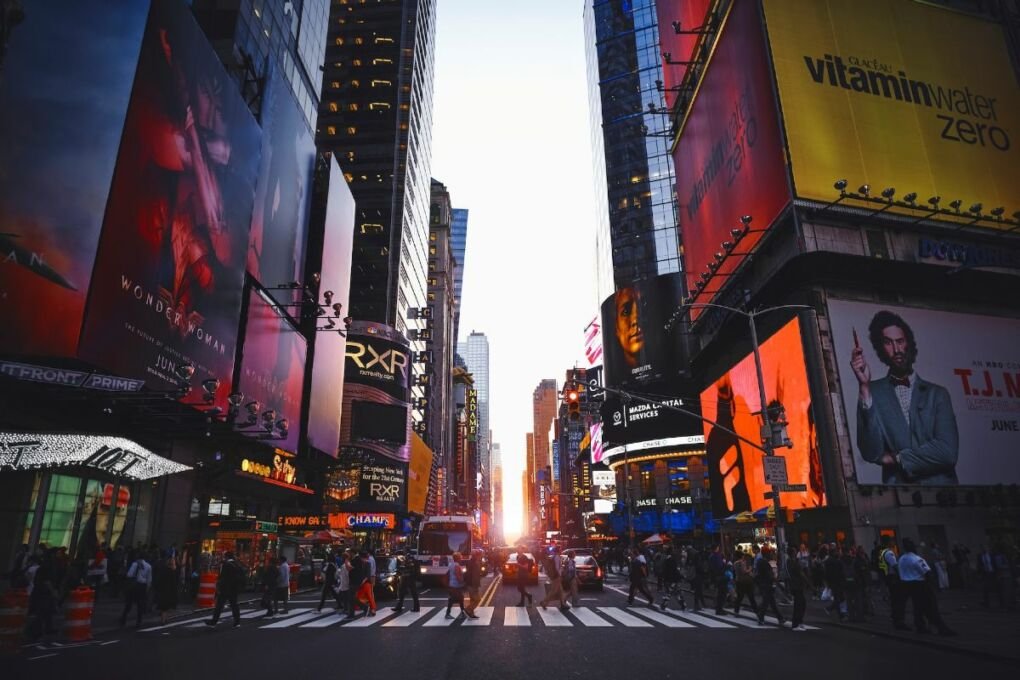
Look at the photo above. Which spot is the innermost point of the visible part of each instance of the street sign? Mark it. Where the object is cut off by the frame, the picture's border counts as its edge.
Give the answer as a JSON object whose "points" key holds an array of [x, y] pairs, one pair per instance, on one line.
{"points": [[775, 470], [786, 488]]}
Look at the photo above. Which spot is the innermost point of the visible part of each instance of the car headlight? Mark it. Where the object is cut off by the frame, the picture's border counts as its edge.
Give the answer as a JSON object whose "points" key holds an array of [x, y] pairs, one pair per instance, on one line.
{"points": [[422, 570]]}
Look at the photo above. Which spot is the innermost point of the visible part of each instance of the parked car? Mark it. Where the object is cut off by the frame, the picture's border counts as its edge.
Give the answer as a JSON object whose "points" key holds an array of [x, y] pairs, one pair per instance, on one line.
{"points": [[510, 569], [589, 572]]}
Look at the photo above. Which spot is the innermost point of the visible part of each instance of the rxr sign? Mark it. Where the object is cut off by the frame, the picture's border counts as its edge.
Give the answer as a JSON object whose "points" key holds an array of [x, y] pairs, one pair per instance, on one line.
{"points": [[366, 357], [386, 493]]}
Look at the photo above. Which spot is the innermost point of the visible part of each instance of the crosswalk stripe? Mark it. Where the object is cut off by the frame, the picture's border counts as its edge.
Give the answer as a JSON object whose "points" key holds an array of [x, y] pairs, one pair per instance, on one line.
{"points": [[439, 619], [227, 616], [516, 616], [407, 618], [554, 617], [331, 619], [740, 621], [484, 615], [659, 617], [366, 621], [296, 616], [184, 623], [590, 618], [624, 618], [774, 621], [698, 618]]}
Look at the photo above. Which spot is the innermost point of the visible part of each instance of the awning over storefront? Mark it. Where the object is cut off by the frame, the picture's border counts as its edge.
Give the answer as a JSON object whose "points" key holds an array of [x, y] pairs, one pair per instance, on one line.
{"points": [[113, 455]]}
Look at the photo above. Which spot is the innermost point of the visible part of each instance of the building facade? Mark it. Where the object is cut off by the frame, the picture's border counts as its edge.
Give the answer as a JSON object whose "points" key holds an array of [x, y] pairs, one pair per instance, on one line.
{"points": [[376, 118], [475, 350], [458, 236], [636, 233]]}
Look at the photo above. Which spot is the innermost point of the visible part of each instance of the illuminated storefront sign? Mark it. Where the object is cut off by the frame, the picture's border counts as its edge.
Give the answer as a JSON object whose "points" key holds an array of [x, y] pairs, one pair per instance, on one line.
{"points": [[472, 415], [362, 520], [281, 470], [693, 440], [303, 521], [114, 455]]}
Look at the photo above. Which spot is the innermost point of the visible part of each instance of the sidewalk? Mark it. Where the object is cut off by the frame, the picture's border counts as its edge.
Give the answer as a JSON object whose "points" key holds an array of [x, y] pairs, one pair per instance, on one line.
{"points": [[980, 631]]}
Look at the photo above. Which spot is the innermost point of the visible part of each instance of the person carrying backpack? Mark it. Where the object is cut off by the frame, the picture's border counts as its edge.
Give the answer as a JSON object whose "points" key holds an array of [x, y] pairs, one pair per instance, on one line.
{"points": [[671, 580], [552, 570], [744, 582], [638, 578], [523, 569], [569, 577], [766, 580]]}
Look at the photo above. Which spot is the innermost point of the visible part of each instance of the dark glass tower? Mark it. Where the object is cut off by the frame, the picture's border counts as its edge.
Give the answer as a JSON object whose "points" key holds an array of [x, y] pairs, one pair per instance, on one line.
{"points": [[376, 117], [637, 234]]}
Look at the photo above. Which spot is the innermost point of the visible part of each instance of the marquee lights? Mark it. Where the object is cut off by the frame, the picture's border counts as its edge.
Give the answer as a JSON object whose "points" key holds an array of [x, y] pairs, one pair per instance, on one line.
{"points": [[115, 455]]}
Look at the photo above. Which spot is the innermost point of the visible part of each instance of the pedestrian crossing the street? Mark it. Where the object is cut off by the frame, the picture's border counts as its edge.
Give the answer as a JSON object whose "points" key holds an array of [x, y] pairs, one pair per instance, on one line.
{"points": [[490, 617]]}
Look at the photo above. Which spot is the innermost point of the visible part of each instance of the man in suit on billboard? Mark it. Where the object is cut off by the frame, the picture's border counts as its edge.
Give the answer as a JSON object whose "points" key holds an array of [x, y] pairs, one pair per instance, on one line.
{"points": [[904, 423]]}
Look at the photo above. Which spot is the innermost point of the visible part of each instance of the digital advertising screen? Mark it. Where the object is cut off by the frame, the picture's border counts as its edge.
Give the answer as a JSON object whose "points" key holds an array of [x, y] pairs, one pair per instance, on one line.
{"points": [[336, 208], [736, 471], [272, 366], [637, 346], [378, 365], [61, 120], [729, 155], [905, 95], [931, 397], [169, 273], [279, 221]]}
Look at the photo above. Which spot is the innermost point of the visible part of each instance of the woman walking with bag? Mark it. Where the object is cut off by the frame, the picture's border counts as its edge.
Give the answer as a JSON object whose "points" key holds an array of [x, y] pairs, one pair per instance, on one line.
{"points": [[455, 586]]}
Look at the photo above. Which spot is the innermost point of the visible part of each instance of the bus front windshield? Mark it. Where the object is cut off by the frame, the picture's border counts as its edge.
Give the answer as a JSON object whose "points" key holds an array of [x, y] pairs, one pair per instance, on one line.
{"points": [[444, 542]]}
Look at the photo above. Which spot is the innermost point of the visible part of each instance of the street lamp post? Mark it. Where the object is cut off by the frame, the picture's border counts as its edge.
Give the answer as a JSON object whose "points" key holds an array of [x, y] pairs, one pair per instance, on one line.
{"points": [[767, 431]]}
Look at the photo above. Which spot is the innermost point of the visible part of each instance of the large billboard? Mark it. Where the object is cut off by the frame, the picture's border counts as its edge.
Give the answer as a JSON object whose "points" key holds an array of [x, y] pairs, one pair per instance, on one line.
{"points": [[931, 397], [679, 24], [376, 411], [169, 274], [735, 468], [61, 119], [329, 361], [897, 94], [272, 367], [279, 220], [638, 348], [419, 472], [729, 156]]}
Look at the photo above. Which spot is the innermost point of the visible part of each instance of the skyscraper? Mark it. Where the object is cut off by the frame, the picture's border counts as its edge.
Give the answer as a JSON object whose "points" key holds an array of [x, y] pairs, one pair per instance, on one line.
{"points": [[458, 237], [376, 117], [637, 235], [496, 535], [475, 351], [544, 401]]}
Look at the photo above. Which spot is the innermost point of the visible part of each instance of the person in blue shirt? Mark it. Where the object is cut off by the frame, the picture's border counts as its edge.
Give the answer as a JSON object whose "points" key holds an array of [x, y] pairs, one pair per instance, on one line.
{"points": [[914, 578]]}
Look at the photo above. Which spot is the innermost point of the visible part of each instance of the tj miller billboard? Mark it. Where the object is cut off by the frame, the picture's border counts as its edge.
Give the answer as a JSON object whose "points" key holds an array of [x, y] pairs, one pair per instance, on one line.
{"points": [[272, 368], [637, 347], [167, 284], [735, 468], [930, 397], [61, 119], [729, 155], [896, 94]]}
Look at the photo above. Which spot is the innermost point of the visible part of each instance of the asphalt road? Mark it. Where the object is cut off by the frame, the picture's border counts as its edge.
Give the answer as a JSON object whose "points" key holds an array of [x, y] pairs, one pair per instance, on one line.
{"points": [[601, 638]]}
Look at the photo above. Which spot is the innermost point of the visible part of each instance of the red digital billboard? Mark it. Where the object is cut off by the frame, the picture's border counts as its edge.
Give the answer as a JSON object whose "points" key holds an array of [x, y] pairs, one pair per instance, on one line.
{"points": [[729, 156], [272, 370], [279, 220], [169, 274], [328, 362], [61, 119], [733, 402], [679, 23]]}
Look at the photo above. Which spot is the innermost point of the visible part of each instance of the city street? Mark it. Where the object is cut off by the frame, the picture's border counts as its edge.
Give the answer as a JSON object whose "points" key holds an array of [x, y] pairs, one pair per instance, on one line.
{"points": [[602, 636]]}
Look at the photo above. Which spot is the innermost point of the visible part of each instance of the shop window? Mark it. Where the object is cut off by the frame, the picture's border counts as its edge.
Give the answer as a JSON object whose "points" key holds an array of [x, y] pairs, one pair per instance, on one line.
{"points": [[61, 506], [648, 480]]}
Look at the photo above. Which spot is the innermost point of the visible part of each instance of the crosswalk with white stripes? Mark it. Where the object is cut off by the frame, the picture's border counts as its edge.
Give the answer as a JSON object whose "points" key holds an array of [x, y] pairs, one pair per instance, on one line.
{"points": [[435, 617]]}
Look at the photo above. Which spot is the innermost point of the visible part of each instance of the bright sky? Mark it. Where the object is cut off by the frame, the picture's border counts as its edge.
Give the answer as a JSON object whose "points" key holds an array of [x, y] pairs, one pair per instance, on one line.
{"points": [[510, 140]]}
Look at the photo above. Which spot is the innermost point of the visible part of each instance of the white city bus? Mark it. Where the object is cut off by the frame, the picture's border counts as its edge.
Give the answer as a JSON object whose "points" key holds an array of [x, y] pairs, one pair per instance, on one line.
{"points": [[440, 537]]}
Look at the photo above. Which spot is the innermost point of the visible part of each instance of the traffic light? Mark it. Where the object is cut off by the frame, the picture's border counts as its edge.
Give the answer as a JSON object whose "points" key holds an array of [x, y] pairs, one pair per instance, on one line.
{"points": [[573, 399]]}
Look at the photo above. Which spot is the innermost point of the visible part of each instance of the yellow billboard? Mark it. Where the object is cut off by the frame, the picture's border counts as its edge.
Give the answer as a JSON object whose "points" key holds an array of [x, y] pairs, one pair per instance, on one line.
{"points": [[419, 468], [896, 93]]}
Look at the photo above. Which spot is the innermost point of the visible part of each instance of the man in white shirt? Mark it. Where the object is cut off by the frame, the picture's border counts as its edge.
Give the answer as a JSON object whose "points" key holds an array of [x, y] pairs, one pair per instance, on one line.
{"points": [[138, 579], [913, 576]]}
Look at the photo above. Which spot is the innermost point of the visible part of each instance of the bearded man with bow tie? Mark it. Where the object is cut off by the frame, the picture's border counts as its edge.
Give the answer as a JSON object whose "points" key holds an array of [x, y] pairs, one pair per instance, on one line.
{"points": [[904, 423]]}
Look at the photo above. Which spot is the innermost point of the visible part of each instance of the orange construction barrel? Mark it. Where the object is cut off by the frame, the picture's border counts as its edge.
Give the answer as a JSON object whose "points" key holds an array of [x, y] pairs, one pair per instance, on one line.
{"points": [[206, 590], [13, 613], [78, 614], [295, 570]]}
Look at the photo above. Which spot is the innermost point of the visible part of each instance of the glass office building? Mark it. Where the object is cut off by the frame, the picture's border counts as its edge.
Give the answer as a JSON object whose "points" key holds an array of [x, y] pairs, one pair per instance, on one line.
{"points": [[637, 235]]}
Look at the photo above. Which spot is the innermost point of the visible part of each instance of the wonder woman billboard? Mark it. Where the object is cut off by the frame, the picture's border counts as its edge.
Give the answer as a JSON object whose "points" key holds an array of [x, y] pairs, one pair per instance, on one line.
{"points": [[167, 284]]}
